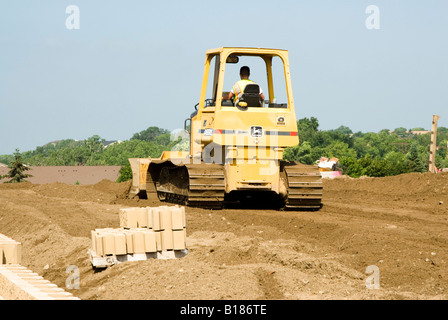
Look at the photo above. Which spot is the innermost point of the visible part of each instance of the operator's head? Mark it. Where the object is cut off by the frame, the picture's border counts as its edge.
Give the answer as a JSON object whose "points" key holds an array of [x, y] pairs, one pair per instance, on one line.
{"points": [[244, 72]]}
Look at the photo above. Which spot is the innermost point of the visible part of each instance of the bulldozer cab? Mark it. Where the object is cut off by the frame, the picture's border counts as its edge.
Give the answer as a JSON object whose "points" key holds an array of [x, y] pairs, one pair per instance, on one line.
{"points": [[216, 115], [269, 69]]}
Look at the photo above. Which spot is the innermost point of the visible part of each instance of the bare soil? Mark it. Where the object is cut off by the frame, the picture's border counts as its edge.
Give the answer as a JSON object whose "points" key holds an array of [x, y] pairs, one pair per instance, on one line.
{"points": [[398, 224]]}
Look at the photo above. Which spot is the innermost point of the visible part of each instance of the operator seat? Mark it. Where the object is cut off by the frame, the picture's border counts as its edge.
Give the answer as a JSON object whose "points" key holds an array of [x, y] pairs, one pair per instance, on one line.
{"points": [[251, 95]]}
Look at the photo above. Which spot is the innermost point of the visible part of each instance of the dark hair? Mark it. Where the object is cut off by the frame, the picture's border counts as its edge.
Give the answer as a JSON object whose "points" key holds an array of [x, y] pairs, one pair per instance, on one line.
{"points": [[245, 71]]}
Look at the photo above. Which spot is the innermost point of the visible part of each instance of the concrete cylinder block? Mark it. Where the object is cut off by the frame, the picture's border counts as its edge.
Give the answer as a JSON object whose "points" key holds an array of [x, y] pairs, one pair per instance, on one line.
{"points": [[167, 239], [179, 240]]}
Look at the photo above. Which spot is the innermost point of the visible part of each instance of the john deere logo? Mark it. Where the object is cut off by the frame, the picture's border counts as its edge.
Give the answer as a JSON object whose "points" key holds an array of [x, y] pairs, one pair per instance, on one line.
{"points": [[256, 131]]}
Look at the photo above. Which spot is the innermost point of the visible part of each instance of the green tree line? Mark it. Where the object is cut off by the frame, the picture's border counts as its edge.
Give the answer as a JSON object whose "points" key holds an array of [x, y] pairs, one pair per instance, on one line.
{"points": [[378, 154], [92, 151]]}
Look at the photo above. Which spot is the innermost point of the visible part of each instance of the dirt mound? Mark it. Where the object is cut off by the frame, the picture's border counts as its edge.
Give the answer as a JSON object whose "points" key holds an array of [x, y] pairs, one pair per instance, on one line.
{"points": [[103, 191], [411, 184], [395, 223], [120, 190]]}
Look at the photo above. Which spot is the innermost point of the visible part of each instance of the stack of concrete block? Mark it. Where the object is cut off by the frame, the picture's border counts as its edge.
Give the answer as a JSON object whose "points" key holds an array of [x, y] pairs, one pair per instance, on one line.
{"points": [[10, 250], [120, 241], [168, 222], [134, 218], [145, 232], [20, 283]]}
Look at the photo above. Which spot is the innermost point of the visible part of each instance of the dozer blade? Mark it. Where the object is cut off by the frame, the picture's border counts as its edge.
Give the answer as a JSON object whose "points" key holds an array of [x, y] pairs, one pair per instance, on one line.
{"points": [[139, 167], [143, 182]]}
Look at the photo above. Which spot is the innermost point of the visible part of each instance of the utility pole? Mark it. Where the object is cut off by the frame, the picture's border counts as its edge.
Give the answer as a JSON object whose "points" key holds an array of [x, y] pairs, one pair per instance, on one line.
{"points": [[432, 150]]}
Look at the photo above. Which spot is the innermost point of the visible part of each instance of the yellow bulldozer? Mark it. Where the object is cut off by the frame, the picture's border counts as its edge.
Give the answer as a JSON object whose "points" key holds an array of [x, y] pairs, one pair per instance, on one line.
{"points": [[235, 145]]}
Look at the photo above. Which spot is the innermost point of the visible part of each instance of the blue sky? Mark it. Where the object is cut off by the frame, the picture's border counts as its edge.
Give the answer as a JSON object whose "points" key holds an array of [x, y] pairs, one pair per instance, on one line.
{"points": [[135, 64]]}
